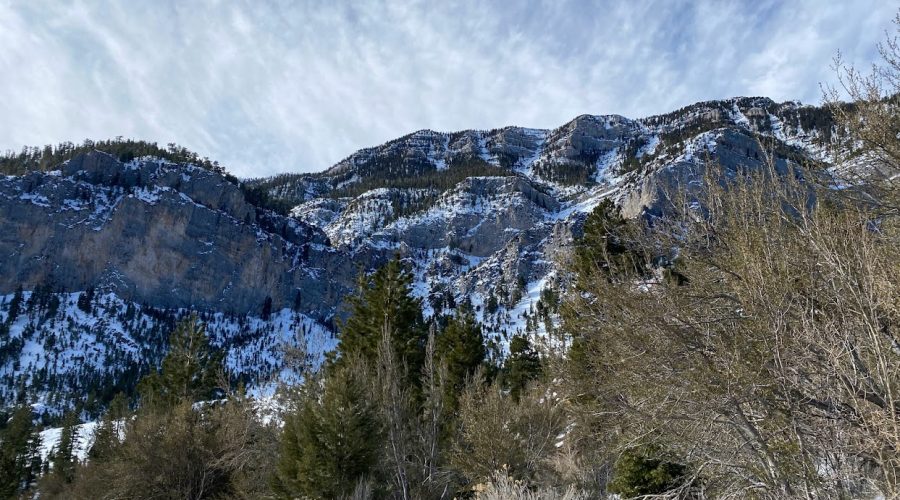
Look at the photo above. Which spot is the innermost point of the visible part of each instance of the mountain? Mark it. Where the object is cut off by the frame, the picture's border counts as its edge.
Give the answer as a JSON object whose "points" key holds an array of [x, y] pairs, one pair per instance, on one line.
{"points": [[108, 248]]}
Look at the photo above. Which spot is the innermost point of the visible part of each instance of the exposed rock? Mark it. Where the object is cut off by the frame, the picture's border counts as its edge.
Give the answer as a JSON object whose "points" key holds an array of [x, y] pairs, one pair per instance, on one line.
{"points": [[477, 214]]}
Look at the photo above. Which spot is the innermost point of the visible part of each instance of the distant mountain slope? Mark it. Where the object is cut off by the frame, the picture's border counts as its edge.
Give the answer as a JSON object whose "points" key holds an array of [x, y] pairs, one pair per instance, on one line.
{"points": [[481, 216], [571, 155]]}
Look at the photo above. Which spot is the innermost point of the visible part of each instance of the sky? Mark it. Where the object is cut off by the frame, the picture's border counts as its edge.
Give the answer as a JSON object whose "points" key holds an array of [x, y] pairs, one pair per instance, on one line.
{"points": [[270, 87]]}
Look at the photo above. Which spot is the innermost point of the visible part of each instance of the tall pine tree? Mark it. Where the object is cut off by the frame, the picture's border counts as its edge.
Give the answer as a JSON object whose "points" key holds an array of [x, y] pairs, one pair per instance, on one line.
{"points": [[19, 453], [384, 303], [64, 460], [461, 348], [522, 366], [333, 439], [107, 435], [188, 371]]}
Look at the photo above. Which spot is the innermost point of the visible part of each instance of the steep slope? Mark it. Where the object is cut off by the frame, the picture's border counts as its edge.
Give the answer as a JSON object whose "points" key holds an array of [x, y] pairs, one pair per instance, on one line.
{"points": [[162, 234], [481, 216]]}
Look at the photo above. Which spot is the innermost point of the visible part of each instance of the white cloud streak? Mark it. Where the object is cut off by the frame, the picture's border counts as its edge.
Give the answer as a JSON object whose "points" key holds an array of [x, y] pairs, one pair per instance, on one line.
{"points": [[296, 86]]}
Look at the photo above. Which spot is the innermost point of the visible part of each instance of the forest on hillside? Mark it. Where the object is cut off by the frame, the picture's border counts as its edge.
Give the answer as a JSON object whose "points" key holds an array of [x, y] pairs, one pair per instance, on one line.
{"points": [[746, 345]]}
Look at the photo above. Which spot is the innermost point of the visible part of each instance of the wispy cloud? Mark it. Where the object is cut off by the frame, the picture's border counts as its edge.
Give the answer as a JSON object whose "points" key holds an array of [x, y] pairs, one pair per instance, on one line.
{"points": [[282, 86]]}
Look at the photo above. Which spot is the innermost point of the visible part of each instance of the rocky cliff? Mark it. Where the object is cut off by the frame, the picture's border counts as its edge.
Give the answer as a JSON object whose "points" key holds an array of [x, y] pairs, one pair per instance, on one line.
{"points": [[483, 216]]}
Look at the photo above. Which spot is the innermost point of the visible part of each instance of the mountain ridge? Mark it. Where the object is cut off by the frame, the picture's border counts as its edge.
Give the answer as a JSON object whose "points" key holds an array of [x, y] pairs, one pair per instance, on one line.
{"points": [[485, 217]]}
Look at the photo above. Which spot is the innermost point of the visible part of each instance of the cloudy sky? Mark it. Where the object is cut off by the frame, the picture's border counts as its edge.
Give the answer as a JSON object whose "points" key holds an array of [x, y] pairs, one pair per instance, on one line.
{"points": [[296, 86]]}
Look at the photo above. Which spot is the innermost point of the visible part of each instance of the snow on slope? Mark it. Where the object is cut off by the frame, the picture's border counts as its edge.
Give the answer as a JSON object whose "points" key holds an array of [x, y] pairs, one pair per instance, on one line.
{"points": [[84, 439], [69, 352]]}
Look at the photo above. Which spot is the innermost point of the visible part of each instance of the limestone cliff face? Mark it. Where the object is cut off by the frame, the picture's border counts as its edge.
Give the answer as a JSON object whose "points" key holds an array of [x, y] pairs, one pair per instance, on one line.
{"points": [[178, 236], [488, 217], [161, 234]]}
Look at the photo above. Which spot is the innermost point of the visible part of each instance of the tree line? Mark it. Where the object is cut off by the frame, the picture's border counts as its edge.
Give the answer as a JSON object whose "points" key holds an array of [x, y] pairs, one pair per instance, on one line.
{"points": [[49, 157], [744, 345]]}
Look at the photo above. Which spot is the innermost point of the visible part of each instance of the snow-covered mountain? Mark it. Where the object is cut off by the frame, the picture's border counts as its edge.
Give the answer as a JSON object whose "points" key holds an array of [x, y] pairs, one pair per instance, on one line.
{"points": [[483, 216]]}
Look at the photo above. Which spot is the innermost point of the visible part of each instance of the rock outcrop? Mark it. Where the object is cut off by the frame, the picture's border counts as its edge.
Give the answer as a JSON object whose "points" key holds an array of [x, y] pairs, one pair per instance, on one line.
{"points": [[487, 217]]}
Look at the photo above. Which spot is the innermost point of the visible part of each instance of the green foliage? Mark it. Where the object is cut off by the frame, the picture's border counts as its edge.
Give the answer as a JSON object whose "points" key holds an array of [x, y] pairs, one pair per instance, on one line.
{"points": [[15, 305], [643, 472], [607, 245], [333, 439], [266, 308], [64, 460], [106, 435], [189, 370], [521, 367], [384, 302], [461, 348], [578, 173], [631, 162], [85, 299], [50, 157], [20, 460], [497, 432], [397, 172], [217, 450], [492, 304], [258, 196]]}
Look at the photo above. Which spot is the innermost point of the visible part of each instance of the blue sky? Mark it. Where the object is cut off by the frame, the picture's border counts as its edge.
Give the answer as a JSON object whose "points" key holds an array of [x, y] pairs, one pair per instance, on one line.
{"points": [[297, 86]]}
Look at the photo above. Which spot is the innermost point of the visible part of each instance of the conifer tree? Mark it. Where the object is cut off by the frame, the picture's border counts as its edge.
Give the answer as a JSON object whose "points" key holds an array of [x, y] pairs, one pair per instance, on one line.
{"points": [[522, 366], [332, 441], [641, 473], [19, 453], [107, 435], [461, 347], [15, 305], [33, 460], [266, 308], [384, 303], [608, 241], [64, 461], [188, 371], [85, 299]]}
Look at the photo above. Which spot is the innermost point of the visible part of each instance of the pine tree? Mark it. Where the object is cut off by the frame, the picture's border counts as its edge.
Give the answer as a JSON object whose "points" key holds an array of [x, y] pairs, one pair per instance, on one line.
{"points": [[85, 299], [15, 305], [188, 371], [607, 242], [106, 435], [641, 473], [461, 347], [64, 461], [332, 441], [17, 442], [384, 302], [266, 308], [492, 304], [33, 460], [522, 366]]}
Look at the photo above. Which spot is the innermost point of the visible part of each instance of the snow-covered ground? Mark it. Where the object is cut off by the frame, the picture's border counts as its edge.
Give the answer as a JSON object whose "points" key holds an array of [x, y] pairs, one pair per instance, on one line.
{"points": [[67, 353], [84, 439]]}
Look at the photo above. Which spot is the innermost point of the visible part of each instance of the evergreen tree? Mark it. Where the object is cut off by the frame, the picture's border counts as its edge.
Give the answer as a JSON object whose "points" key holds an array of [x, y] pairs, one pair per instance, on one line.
{"points": [[19, 453], [522, 366], [641, 473], [188, 371], [607, 244], [85, 299], [106, 435], [15, 305], [64, 461], [332, 441], [492, 304], [461, 347], [384, 302], [33, 460]]}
